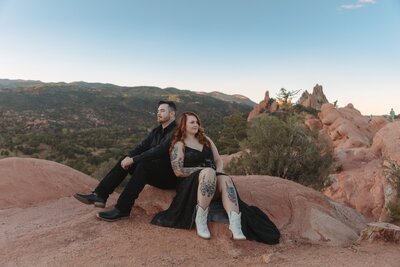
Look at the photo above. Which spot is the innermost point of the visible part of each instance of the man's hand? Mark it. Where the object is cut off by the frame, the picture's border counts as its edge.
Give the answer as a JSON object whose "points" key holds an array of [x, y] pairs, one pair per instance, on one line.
{"points": [[126, 162]]}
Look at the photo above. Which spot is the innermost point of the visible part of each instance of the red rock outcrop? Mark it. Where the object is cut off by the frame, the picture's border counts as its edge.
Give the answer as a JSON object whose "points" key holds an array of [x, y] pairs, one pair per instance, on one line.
{"points": [[28, 181], [386, 142], [259, 108], [313, 123], [361, 146], [346, 126], [302, 214], [314, 100], [56, 230]]}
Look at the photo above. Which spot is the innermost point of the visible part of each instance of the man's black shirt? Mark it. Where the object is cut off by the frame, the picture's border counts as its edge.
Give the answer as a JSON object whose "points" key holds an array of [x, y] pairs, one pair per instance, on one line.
{"points": [[155, 145]]}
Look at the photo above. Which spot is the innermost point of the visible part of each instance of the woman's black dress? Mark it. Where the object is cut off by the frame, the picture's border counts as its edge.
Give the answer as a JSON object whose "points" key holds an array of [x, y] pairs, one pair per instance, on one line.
{"points": [[255, 224]]}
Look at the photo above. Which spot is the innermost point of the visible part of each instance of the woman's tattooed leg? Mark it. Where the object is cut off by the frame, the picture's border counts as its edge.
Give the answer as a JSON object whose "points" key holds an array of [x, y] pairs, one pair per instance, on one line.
{"points": [[230, 189], [207, 187]]}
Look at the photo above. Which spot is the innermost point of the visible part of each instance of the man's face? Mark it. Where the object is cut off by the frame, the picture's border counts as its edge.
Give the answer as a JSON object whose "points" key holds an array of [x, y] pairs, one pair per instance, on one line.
{"points": [[163, 113]]}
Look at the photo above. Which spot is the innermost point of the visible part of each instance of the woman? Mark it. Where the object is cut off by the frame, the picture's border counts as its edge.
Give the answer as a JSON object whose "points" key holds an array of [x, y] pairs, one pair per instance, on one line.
{"points": [[196, 162]]}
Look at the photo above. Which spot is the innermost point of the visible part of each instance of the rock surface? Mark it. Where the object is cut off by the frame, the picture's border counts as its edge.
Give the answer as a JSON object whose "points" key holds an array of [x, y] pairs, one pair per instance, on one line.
{"points": [[56, 230], [361, 146], [259, 108], [28, 181], [301, 214], [314, 100]]}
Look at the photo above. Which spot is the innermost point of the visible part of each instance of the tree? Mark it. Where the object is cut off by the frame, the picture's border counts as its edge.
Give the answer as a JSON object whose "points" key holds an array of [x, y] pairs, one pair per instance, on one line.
{"points": [[285, 96], [232, 134], [284, 149]]}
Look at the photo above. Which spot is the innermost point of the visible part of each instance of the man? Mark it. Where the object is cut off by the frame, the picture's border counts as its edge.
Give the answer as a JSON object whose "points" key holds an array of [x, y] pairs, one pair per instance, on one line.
{"points": [[148, 163]]}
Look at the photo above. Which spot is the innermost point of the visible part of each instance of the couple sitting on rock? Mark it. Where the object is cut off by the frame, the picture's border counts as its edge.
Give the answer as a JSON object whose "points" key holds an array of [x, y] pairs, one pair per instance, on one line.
{"points": [[181, 157]]}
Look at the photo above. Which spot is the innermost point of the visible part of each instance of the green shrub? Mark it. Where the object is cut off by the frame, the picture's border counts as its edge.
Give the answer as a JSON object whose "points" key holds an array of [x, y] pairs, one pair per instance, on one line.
{"points": [[393, 177], [284, 148], [394, 209]]}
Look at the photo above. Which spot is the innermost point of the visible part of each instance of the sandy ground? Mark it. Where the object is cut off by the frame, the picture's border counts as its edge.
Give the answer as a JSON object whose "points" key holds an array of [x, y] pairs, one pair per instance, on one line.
{"points": [[65, 232]]}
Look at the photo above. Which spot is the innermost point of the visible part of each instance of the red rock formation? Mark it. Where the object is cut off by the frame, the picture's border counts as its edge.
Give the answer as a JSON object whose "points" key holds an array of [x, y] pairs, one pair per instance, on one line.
{"points": [[44, 229], [346, 126], [302, 214], [259, 108], [386, 143], [314, 100], [313, 123], [361, 145], [27, 181]]}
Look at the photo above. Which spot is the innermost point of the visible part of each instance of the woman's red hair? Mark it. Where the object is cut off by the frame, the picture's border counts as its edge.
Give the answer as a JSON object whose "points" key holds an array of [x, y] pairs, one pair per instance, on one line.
{"points": [[180, 131]]}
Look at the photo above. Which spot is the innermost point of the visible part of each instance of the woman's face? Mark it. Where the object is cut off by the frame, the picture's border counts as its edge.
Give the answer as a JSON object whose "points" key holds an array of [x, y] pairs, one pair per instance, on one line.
{"points": [[192, 125]]}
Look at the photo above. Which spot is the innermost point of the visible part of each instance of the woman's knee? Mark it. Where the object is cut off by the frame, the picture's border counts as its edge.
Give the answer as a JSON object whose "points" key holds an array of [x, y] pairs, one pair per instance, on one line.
{"points": [[208, 174], [207, 182], [224, 180]]}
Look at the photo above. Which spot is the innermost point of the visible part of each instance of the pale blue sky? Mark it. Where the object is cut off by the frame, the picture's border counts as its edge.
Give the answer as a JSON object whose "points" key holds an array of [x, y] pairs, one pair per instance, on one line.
{"points": [[351, 47]]}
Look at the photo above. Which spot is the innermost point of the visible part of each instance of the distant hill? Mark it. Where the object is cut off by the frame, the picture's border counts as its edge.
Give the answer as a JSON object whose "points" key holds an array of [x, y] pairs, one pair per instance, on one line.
{"points": [[85, 124], [231, 98], [8, 84]]}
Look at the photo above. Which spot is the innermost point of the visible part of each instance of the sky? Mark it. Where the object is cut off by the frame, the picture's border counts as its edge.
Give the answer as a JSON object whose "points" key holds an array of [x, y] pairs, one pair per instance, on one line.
{"points": [[350, 47]]}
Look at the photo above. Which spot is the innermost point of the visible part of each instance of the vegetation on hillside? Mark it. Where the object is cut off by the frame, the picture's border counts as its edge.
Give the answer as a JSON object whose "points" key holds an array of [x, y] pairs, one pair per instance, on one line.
{"points": [[86, 126], [90, 126], [280, 145]]}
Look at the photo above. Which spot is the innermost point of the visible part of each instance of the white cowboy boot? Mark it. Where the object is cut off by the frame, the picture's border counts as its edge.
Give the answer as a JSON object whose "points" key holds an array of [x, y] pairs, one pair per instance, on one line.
{"points": [[235, 225], [201, 222]]}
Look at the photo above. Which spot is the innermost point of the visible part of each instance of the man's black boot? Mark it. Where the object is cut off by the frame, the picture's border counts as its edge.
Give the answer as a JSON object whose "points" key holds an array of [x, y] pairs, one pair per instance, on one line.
{"points": [[112, 215], [92, 198]]}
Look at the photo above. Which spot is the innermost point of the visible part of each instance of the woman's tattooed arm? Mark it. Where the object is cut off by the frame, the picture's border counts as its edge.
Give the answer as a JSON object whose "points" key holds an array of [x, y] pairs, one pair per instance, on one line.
{"points": [[177, 157]]}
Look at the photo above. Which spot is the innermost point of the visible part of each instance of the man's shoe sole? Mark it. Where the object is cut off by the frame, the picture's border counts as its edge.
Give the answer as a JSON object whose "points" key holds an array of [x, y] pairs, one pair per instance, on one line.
{"points": [[99, 204], [87, 202], [112, 220]]}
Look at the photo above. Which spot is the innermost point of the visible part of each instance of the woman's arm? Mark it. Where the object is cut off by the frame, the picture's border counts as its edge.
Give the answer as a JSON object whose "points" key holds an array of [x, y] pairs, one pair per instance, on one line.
{"points": [[177, 157], [217, 159]]}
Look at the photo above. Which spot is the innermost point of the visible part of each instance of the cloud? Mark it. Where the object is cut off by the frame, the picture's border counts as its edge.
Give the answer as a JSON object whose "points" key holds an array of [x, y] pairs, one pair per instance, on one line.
{"points": [[352, 6], [358, 4], [367, 1]]}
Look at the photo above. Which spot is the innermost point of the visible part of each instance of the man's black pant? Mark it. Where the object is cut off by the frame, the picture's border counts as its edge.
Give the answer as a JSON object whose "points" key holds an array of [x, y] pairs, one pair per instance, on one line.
{"points": [[157, 173]]}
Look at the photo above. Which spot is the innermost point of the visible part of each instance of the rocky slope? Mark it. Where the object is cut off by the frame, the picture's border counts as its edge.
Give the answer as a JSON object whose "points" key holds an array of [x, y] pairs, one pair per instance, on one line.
{"points": [[42, 225], [362, 146]]}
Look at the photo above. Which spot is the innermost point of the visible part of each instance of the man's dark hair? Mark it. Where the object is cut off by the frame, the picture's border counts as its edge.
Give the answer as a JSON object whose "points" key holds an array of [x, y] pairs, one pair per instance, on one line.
{"points": [[170, 104]]}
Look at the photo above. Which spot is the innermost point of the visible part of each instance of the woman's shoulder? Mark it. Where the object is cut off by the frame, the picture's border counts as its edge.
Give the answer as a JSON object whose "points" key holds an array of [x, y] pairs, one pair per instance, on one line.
{"points": [[179, 144], [209, 140]]}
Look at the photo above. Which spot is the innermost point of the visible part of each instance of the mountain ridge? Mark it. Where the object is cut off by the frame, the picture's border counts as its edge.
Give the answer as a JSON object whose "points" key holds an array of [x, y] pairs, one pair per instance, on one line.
{"points": [[18, 83]]}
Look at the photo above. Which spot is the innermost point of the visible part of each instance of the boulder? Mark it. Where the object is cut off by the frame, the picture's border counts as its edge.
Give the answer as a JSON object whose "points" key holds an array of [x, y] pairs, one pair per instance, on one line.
{"points": [[360, 185], [386, 142], [313, 123], [346, 126], [376, 123], [302, 214], [28, 181]]}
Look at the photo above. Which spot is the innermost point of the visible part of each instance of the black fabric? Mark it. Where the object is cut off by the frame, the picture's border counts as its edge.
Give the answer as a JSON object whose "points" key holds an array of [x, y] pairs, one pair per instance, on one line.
{"points": [[113, 179], [155, 145], [151, 166], [255, 224], [157, 173]]}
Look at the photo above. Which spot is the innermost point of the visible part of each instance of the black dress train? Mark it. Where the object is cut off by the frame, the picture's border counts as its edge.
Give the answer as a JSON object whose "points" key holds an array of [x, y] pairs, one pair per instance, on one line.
{"points": [[255, 224]]}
